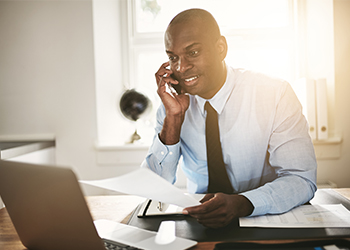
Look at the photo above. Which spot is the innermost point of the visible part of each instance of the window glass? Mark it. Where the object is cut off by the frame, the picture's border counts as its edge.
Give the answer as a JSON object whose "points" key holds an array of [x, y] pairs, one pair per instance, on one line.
{"points": [[154, 15], [275, 58]]}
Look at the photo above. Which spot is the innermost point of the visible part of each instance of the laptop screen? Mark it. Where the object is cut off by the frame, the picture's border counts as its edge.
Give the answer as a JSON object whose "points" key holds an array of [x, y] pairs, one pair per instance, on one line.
{"points": [[47, 207]]}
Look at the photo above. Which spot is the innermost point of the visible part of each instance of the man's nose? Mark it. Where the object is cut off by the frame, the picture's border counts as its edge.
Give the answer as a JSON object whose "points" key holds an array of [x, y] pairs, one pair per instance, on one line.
{"points": [[183, 65]]}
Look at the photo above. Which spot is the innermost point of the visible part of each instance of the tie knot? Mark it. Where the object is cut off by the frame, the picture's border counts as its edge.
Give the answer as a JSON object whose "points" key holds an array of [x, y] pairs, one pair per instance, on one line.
{"points": [[207, 106], [210, 110]]}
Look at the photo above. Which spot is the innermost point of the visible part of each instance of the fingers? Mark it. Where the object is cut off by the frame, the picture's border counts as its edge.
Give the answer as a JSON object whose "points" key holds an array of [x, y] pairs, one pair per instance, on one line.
{"points": [[216, 211], [163, 75], [210, 204], [206, 198], [163, 71]]}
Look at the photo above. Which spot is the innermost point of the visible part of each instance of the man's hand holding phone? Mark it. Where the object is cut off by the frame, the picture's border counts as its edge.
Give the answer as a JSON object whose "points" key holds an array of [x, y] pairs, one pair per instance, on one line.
{"points": [[175, 105]]}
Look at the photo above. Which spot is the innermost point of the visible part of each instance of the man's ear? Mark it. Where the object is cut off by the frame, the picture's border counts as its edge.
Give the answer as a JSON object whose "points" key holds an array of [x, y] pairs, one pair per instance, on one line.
{"points": [[221, 46]]}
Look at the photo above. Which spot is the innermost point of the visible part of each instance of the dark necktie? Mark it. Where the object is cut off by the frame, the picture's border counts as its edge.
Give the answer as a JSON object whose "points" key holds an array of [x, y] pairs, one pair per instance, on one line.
{"points": [[218, 179]]}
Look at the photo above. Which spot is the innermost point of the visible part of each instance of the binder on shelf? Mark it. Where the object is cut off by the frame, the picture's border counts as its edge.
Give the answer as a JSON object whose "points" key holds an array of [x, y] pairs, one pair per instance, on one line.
{"points": [[322, 110], [311, 107], [305, 90]]}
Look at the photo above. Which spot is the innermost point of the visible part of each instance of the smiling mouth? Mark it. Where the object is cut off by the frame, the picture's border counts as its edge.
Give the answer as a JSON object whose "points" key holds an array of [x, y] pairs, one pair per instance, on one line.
{"points": [[191, 79]]}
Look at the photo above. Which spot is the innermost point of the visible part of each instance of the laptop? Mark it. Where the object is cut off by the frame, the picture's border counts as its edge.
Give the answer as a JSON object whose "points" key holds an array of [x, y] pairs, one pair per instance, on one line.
{"points": [[48, 210]]}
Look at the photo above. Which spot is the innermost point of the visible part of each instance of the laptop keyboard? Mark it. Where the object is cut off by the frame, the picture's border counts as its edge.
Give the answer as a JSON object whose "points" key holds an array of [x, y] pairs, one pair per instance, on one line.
{"points": [[112, 245]]}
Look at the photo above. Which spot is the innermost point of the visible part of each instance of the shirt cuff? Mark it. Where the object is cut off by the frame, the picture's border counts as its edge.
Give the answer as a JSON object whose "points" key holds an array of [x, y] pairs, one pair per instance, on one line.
{"points": [[257, 198], [165, 153]]}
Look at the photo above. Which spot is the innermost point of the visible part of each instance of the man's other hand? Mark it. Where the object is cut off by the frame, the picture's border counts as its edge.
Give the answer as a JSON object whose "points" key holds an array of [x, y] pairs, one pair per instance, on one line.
{"points": [[218, 210]]}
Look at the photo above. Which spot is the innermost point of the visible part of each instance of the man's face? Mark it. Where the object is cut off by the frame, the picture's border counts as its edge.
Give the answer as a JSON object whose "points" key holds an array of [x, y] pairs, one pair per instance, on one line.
{"points": [[195, 58]]}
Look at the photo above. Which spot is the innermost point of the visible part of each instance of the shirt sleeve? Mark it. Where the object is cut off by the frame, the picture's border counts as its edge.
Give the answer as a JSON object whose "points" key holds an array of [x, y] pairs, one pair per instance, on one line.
{"points": [[162, 159], [291, 155]]}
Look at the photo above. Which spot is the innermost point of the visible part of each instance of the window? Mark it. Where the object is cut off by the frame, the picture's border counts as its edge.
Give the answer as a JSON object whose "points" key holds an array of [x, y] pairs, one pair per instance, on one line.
{"points": [[260, 36], [270, 36]]}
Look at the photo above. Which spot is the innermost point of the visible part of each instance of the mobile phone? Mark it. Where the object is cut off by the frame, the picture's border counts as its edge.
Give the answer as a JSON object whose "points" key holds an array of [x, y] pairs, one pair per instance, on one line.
{"points": [[177, 87]]}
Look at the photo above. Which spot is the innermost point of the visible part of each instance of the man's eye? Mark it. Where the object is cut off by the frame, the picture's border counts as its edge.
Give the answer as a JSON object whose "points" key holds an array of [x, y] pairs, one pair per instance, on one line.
{"points": [[194, 52], [172, 58]]}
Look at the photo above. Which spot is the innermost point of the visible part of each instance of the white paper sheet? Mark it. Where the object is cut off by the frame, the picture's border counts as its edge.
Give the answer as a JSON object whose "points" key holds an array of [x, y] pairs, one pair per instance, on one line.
{"points": [[306, 216], [145, 183]]}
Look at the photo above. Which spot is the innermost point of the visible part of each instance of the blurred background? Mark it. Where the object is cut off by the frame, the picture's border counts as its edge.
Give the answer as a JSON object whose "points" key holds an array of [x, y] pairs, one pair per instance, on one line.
{"points": [[64, 66]]}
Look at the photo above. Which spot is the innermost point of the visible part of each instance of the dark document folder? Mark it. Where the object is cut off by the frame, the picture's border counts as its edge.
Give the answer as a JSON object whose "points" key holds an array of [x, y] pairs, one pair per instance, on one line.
{"points": [[188, 227], [304, 245]]}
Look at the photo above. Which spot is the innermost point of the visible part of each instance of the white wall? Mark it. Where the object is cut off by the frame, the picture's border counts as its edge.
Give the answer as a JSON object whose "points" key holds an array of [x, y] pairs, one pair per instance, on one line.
{"points": [[46, 75], [47, 82]]}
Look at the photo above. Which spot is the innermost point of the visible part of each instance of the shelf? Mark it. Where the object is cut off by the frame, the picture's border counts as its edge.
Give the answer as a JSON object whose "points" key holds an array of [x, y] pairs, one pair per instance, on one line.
{"points": [[328, 149], [13, 149]]}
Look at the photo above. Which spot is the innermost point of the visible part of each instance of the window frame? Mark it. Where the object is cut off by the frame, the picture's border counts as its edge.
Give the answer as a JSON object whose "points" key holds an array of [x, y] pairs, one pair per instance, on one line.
{"points": [[109, 122]]}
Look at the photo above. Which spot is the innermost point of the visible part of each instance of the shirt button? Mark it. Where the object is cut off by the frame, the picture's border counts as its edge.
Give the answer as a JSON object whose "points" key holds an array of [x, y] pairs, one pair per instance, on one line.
{"points": [[170, 153], [162, 152]]}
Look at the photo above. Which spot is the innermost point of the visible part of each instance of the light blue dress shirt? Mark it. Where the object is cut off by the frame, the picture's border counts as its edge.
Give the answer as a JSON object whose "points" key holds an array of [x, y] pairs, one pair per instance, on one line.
{"points": [[267, 150]]}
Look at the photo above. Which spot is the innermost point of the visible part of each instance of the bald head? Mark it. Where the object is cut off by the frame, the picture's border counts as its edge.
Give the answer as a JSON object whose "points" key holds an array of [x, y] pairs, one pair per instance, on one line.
{"points": [[197, 17]]}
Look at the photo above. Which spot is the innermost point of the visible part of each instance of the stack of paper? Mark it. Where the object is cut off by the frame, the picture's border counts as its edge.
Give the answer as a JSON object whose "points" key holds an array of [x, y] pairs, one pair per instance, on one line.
{"points": [[306, 216]]}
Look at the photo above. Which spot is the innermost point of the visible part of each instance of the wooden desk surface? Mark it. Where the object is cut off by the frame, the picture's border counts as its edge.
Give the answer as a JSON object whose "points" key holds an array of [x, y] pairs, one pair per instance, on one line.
{"points": [[117, 208]]}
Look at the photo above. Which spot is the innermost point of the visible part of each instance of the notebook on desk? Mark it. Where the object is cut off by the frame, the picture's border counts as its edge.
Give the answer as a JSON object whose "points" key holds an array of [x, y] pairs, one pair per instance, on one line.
{"points": [[48, 210]]}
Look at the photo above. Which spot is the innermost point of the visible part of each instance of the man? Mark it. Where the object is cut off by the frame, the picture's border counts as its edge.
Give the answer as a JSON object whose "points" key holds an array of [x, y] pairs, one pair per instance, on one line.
{"points": [[267, 152]]}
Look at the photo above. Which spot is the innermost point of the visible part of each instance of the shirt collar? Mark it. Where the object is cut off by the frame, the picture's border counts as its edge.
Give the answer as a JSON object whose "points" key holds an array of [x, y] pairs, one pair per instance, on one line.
{"points": [[219, 100]]}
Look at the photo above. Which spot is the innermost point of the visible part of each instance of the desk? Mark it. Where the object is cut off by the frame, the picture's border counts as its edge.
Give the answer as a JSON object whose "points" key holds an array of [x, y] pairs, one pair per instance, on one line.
{"points": [[117, 208]]}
